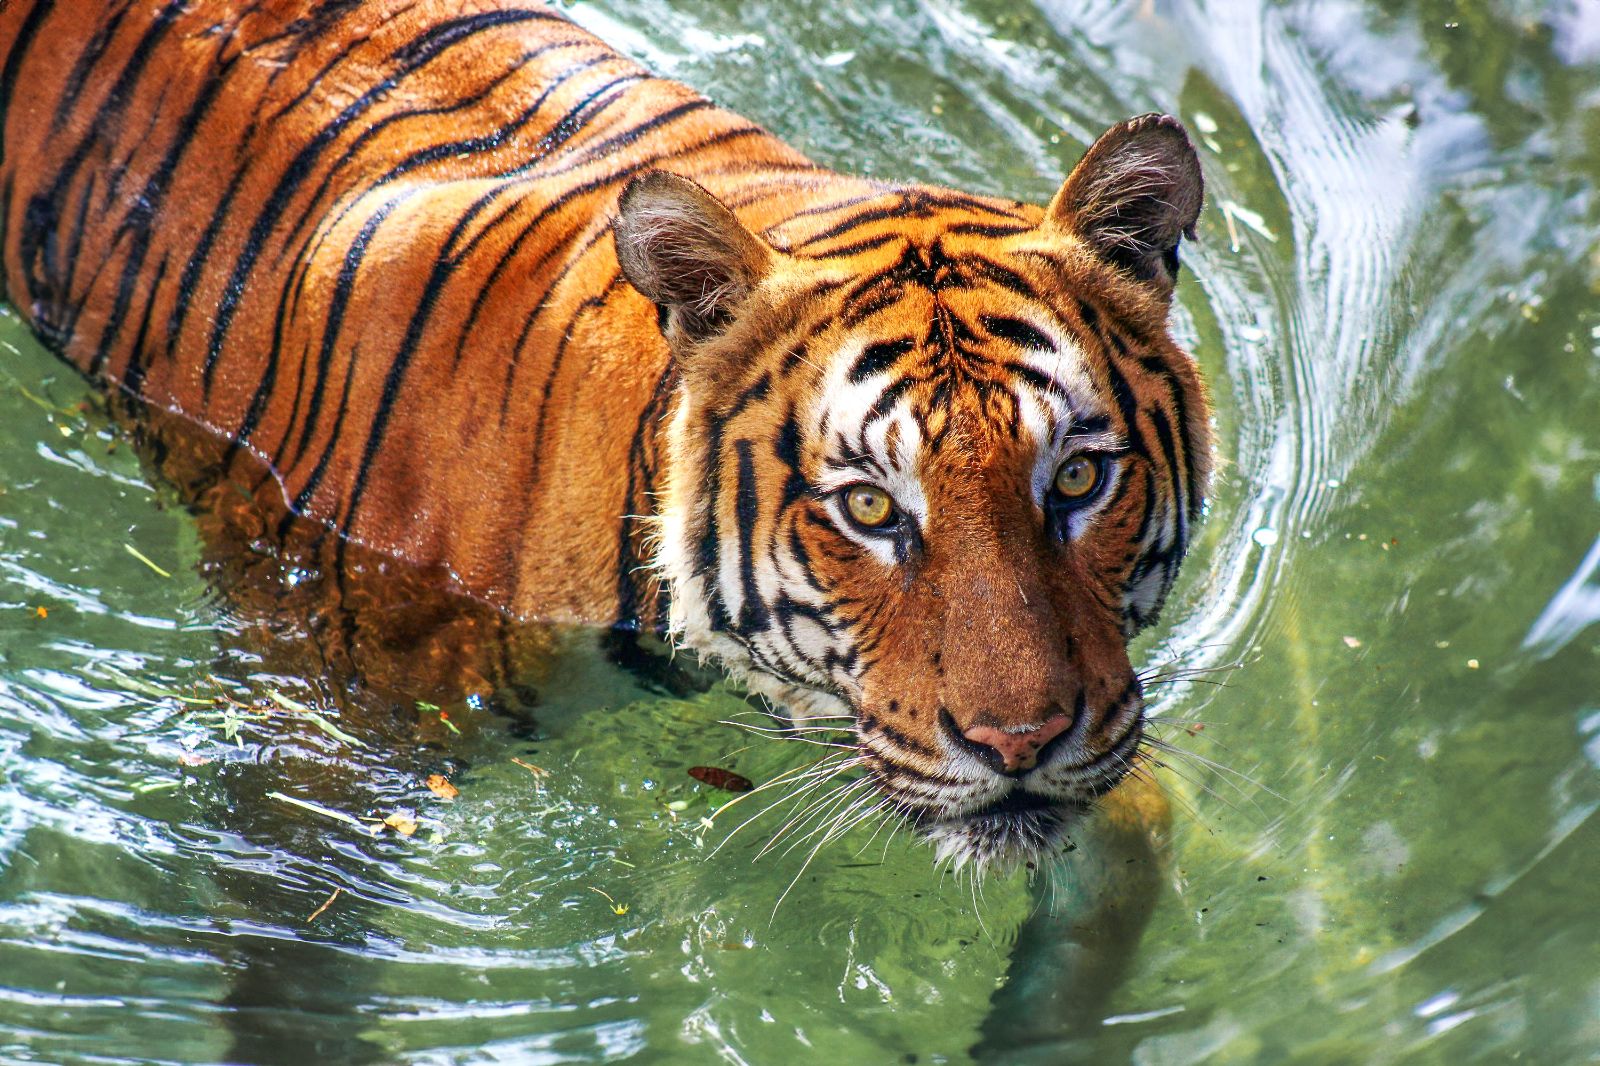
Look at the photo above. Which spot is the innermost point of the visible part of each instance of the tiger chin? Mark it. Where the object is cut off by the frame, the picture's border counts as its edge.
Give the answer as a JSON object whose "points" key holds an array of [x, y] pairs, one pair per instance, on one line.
{"points": [[490, 298]]}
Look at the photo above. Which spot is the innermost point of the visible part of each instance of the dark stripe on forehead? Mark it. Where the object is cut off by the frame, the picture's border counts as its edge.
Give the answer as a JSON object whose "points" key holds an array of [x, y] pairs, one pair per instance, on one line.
{"points": [[1036, 379], [886, 400], [866, 244], [989, 270], [878, 357], [1017, 332]]}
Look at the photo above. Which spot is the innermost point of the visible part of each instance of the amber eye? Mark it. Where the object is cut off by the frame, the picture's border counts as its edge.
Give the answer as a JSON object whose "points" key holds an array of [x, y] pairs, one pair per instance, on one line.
{"points": [[1078, 477], [868, 506]]}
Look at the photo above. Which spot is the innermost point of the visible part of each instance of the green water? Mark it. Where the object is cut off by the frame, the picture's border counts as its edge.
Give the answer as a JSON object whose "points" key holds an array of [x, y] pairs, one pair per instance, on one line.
{"points": [[1396, 298]]}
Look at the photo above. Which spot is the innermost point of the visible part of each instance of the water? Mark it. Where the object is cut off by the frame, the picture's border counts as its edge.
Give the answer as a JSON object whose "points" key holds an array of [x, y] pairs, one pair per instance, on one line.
{"points": [[1396, 298]]}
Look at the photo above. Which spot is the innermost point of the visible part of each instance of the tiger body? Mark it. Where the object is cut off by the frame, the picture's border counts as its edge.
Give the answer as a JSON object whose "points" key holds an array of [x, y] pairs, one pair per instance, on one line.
{"points": [[379, 247]]}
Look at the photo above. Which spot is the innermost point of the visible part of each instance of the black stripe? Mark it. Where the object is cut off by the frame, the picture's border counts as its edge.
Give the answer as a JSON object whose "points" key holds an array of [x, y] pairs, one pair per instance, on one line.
{"points": [[452, 149], [632, 585], [878, 357], [707, 550], [1191, 470], [567, 127], [556, 205], [886, 400], [20, 46], [140, 221], [786, 449], [987, 229], [1041, 382], [37, 246], [343, 288], [302, 500], [132, 380], [92, 53], [1018, 332], [1158, 418], [753, 614], [866, 244], [443, 267]]}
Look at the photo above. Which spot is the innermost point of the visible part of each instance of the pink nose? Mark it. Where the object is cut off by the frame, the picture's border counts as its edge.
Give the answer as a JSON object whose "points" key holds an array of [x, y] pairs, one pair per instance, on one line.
{"points": [[1019, 748]]}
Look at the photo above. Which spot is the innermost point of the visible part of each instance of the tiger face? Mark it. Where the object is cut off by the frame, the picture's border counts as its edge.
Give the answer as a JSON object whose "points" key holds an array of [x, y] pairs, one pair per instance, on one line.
{"points": [[931, 484]]}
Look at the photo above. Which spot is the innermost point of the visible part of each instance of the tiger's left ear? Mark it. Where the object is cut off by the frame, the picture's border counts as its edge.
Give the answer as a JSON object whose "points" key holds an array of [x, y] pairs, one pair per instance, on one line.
{"points": [[683, 249], [1133, 196]]}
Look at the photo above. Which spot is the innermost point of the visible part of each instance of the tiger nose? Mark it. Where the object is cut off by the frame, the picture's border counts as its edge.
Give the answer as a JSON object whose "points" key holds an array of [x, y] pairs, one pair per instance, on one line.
{"points": [[1016, 750]]}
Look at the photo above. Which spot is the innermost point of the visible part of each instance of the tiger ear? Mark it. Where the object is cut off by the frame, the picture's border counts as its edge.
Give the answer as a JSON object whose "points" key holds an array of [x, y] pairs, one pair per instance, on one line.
{"points": [[684, 250], [1135, 193]]}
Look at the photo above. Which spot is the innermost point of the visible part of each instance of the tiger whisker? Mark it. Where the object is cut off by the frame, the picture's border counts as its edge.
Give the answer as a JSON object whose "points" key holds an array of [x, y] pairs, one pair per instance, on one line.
{"points": [[835, 817], [813, 776], [1140, 768], [882, 807], [1239, 775], [803, 813], [818, 810], [800, 873], [1182, 774], [781, 731]]}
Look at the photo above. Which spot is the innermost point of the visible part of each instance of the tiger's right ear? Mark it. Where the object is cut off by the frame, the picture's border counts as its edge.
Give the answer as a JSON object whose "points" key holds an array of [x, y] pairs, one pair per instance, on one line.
{"points": [[684, 250]]}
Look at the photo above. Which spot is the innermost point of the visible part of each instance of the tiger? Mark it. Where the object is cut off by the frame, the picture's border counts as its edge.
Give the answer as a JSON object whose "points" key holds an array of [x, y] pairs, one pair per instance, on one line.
{"points": [[487, 297]]}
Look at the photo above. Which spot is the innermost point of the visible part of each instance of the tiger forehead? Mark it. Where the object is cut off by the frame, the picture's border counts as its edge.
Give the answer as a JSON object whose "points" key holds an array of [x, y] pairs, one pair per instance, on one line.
{"points": [[1007, 383]]}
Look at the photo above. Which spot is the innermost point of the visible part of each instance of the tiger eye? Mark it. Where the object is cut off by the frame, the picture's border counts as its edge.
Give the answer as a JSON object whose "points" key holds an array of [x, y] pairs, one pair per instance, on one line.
{"points": [[1077, 477], [868, 505]]}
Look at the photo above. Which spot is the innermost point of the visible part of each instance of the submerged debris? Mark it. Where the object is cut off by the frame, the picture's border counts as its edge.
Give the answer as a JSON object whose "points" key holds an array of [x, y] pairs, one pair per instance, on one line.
{"points": [[327, 812], [619, 909], [325, 905], [146, 560], [717, 777]]}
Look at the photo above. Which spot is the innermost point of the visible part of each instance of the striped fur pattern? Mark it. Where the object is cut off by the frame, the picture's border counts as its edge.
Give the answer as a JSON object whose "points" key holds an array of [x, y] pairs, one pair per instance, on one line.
{"points": [[488, 297]]}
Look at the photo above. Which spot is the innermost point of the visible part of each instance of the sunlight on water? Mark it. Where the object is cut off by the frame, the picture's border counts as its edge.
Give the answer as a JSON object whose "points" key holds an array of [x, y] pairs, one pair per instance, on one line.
{"points": [[1389, 636]]}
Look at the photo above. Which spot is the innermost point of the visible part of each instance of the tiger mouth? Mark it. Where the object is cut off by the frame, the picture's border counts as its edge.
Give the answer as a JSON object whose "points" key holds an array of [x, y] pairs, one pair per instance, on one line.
{"points": [[1019, 828], [1015, 802], [1023, 827]]}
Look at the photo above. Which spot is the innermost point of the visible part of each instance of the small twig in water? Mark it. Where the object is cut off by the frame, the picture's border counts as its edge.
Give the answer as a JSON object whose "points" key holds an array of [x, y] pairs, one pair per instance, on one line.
{"points": [[325, 905]]}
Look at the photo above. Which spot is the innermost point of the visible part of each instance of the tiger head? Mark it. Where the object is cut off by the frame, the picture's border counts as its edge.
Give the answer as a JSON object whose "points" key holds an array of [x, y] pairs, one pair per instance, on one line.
{"points": [[930, 470]]}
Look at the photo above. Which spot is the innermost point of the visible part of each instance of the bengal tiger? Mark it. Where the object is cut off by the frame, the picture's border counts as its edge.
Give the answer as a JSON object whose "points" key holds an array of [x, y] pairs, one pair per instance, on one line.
{"points": [[489, 297]]}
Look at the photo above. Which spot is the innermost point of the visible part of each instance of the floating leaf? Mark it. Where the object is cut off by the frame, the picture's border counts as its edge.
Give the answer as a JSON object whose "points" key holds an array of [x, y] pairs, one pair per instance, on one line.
{"points": [[440, 786]]}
